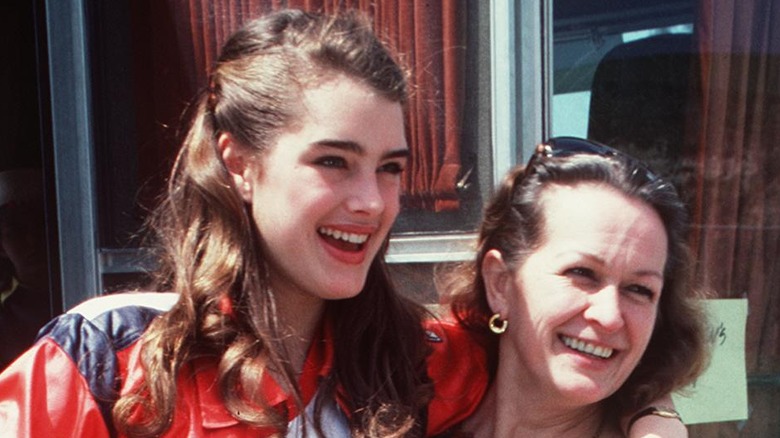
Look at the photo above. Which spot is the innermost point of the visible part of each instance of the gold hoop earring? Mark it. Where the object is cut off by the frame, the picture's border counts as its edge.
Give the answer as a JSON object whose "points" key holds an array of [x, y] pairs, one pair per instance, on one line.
{"points": [[497, 325]]}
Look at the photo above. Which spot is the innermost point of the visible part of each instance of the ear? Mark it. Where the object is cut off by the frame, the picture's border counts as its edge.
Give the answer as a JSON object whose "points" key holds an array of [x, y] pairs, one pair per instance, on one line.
{"points": [[237, 162], [499, 282]]}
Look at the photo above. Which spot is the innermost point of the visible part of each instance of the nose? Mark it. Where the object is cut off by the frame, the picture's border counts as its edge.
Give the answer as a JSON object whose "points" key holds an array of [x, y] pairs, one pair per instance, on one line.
{"points": [[604, 309], [365, 195]]}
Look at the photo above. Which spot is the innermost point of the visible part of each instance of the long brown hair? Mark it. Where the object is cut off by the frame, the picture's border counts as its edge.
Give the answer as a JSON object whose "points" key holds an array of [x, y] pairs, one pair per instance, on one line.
{"points": [[212, 252], [514, 225]]}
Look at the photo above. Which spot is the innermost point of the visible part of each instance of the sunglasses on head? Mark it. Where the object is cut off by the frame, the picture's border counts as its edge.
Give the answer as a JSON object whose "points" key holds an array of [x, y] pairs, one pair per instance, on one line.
{"points": [[569, 146]]}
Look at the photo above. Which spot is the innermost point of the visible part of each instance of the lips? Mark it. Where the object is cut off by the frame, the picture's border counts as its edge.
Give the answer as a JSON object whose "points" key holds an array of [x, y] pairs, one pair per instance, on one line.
{"points": [[346, 246], [586, 347]]}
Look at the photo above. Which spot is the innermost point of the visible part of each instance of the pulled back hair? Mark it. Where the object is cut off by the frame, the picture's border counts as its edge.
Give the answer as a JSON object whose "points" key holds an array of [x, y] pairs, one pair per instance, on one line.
{"points": [[514, 224], [211, 252]]}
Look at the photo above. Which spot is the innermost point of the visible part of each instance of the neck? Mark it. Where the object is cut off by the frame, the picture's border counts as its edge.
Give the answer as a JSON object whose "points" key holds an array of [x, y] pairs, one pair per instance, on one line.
{"points": [[512, 409], [298, 317]]}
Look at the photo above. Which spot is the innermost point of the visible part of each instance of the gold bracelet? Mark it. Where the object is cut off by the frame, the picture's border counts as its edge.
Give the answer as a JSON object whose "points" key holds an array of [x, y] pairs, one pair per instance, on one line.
{"points": [[661, 411]]}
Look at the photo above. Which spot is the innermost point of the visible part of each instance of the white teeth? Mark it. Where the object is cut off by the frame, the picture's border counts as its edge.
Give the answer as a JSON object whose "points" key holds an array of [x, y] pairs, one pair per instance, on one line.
{"points": [[587, 347], [341, 235]]}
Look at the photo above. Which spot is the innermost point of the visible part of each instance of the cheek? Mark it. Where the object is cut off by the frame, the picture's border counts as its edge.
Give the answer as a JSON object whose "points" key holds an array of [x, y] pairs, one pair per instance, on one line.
{"points": [[642, 322], [391, 194], [546, 295], [279, 193], [530, 310]]}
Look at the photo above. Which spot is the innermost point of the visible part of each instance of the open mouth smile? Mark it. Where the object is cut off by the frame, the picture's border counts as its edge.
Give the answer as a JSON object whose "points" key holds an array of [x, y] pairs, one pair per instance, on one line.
{"points": [[587, 347], [343, 240]]}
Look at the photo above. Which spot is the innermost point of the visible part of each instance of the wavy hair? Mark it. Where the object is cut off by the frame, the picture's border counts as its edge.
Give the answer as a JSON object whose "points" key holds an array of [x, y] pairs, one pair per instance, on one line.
{"points": [[211, 252], [514, 225]]}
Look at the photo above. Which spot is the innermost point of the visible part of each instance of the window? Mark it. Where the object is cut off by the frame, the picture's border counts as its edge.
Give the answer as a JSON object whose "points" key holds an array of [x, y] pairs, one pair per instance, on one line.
{"points": [[692, 86]]}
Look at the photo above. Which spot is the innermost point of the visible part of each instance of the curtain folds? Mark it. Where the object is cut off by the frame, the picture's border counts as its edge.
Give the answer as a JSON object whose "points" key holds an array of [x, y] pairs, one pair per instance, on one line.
{"points": [[737, 207], [430, 38]]}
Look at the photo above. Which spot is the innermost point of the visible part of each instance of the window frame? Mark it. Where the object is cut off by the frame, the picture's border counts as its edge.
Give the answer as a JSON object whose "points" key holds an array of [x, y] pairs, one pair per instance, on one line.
{"points": [[520, 44], [73, 147]]}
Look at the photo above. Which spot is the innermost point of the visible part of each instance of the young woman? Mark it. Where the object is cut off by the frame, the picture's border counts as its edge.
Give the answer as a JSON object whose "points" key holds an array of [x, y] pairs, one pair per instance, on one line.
{"points": [[581, 288], [276, 215]]}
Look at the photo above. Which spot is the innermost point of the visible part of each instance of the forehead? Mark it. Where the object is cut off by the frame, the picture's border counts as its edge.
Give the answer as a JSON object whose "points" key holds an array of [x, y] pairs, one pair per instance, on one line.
{"points": [[345, 108], [344, 114], [596, 216], [320, 92]]}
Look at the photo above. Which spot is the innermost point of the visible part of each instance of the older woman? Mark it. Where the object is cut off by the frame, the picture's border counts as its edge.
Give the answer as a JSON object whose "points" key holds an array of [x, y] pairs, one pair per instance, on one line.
{"points": [[581, 287]]}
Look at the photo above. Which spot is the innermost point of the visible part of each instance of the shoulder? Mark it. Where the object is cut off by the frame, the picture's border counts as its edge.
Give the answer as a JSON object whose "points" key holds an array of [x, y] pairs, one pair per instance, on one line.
{"points": [[74, 370], [457, 366], [94, 332], [447, 332], [111, 321], [453, 347], [95, 307]]}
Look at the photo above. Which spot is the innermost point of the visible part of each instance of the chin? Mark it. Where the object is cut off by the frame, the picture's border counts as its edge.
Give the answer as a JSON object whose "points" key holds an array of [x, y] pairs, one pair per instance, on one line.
{"points": [[341, 293], [585, 392]]}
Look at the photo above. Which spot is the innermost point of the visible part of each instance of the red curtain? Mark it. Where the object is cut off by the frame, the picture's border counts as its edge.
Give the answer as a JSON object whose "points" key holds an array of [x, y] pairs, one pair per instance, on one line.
{"points": [[738, 203], [430, 38], [738, 194]]}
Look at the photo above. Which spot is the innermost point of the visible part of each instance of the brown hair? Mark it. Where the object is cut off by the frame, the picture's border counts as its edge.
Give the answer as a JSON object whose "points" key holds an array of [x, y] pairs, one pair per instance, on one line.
{"points": [[211, 249], [514, 225]]}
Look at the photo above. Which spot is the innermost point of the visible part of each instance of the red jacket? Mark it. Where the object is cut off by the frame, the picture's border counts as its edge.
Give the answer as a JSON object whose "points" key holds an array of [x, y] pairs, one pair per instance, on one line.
{"points": [[65, 384]]}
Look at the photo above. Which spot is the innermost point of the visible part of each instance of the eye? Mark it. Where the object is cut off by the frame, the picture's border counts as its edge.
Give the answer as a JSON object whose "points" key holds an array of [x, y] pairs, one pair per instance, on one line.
{"points": [[641, 291], [582, 272], [332, 161], [393, 167], [584, 278]]}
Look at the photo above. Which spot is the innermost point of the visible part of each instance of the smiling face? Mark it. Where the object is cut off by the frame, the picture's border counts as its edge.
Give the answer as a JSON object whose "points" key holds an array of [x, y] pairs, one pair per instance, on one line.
{"points": [[326, 193], [582, 306]]}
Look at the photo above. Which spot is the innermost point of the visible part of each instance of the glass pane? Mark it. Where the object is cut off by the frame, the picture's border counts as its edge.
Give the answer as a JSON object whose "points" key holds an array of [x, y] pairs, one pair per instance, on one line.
{"points": [[693, 87]]}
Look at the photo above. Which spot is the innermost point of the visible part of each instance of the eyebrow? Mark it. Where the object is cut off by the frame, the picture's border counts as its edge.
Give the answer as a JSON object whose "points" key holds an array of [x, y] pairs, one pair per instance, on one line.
{"points": [[649, 273], [354, 147]]}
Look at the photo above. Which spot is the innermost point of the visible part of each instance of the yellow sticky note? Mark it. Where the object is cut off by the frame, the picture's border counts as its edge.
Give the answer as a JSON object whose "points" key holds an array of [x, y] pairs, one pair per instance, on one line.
{"points": [[720, 394]]}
